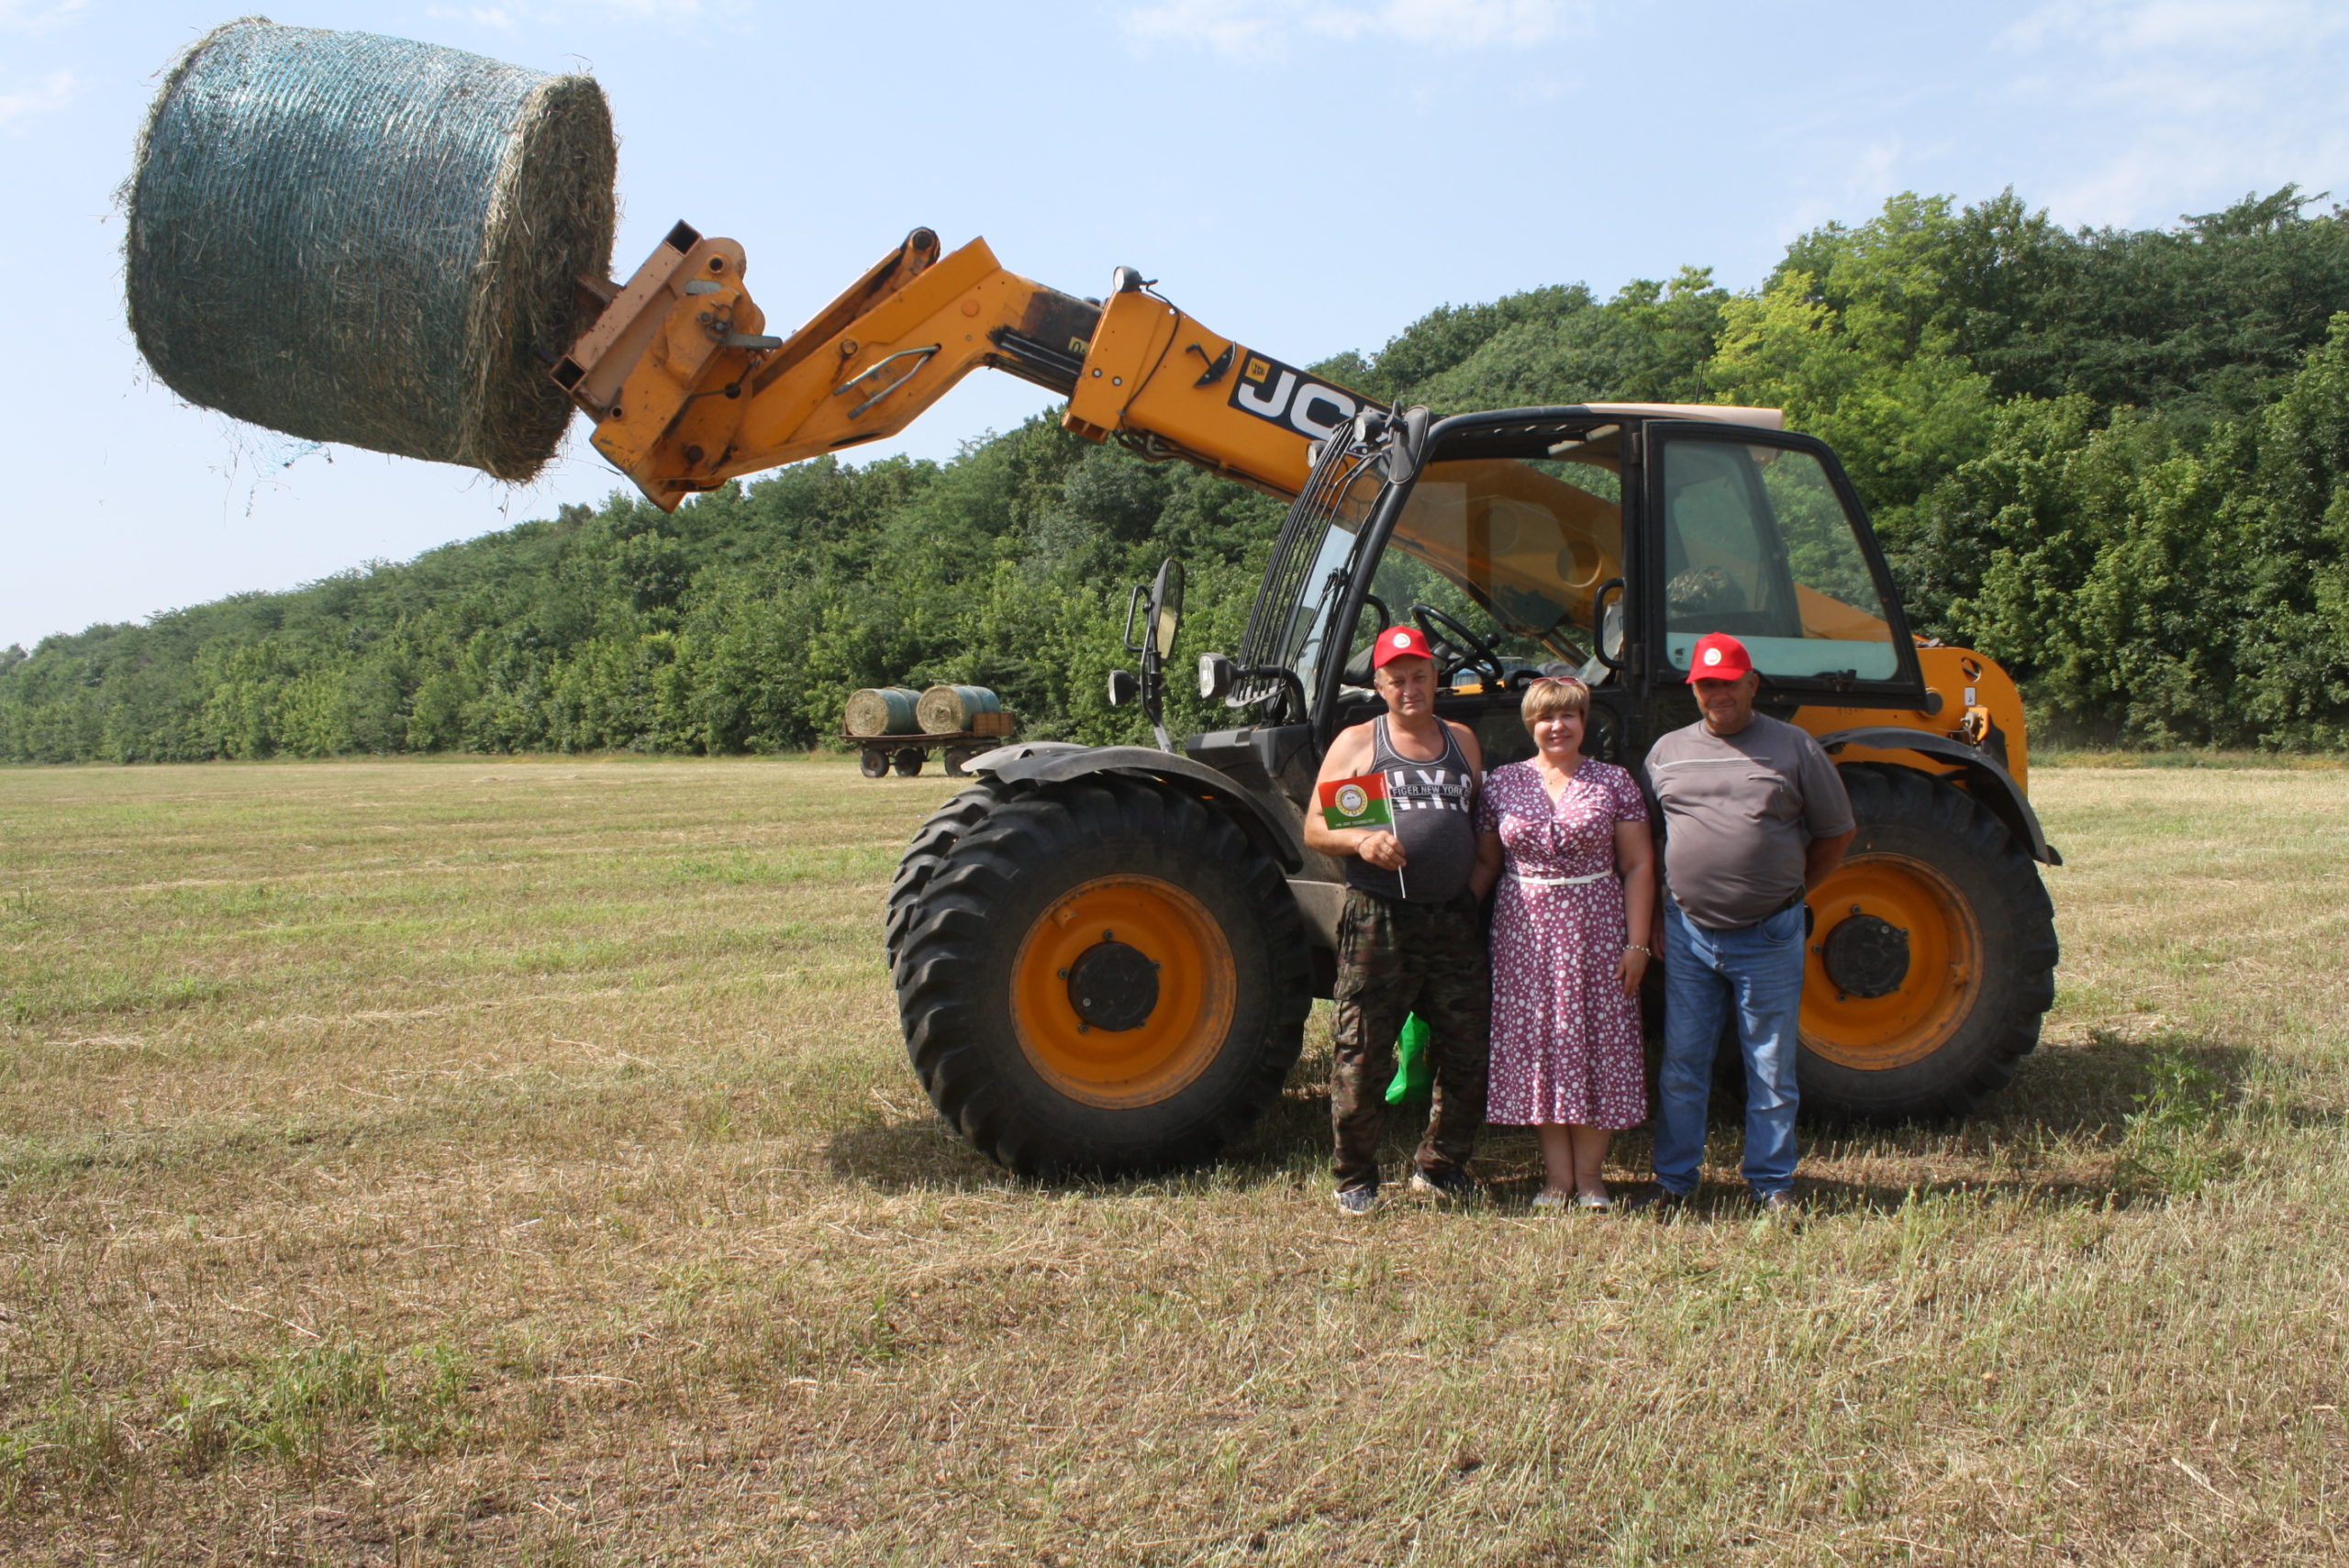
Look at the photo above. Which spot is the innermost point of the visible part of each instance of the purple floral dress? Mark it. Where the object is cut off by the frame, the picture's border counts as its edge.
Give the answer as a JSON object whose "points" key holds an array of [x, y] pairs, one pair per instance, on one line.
{"points": [[1566, 1038]]}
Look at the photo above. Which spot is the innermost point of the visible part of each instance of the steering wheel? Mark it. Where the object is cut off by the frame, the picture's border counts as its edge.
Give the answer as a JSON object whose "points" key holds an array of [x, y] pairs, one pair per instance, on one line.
{"points": [[1459, 644]]}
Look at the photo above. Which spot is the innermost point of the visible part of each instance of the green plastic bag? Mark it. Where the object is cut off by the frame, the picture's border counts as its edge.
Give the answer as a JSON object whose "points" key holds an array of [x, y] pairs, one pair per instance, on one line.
{"points": [[1414, 1074]]}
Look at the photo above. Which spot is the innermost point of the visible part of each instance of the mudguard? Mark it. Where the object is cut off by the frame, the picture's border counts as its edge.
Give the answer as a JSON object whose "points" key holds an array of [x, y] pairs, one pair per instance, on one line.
{"points": [[1986, 780], [1057, 762]]}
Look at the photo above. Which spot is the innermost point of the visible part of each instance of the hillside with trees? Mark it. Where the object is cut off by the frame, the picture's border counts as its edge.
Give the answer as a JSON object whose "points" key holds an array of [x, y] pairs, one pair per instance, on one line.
{"points": [[2117, 461]]}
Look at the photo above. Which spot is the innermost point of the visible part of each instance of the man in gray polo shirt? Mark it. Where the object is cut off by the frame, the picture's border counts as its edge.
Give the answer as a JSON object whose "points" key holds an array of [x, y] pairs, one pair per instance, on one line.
{"points": [[1754, 817]]}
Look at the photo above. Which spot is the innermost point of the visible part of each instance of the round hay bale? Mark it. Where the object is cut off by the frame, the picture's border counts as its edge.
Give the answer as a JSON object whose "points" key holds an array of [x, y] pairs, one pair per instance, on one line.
{"points": [[366, 241], [948, 710], [882, 710]]}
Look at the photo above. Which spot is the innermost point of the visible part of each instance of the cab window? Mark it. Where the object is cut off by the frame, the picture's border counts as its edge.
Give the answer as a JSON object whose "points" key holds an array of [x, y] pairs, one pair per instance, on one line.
{"points": [[1758, 544]]}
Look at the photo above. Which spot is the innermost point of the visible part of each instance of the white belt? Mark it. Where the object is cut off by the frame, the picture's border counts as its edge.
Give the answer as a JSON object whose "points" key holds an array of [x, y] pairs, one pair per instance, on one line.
{"points": [[1556, 880]]}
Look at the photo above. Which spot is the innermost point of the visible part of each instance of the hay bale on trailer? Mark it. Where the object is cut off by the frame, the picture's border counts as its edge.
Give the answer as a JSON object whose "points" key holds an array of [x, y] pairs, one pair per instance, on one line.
{"points": [[882, 710], [948, 710], [368, 240]]}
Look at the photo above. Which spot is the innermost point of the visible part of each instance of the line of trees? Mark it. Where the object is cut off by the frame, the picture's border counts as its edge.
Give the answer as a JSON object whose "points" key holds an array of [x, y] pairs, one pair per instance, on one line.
{"points": [[2116, 461]]}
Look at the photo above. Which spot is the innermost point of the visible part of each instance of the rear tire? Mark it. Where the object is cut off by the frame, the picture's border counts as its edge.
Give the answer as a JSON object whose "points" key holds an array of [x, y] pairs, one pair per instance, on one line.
{"points": [[1004, 905], [1978, 936]]}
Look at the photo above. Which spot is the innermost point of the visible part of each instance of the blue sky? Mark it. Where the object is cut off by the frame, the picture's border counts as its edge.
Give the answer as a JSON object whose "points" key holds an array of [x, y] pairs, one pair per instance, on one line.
{"points": [[1307, 176]]}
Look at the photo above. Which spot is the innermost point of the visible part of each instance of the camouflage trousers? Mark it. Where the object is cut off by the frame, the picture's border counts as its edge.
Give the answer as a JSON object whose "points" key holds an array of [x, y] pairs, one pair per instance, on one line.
{"points": [[1395, 958]]}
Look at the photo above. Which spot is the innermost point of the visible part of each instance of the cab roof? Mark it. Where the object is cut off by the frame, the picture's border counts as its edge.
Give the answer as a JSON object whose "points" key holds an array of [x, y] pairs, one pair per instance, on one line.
{"points": [[1719, 413]]}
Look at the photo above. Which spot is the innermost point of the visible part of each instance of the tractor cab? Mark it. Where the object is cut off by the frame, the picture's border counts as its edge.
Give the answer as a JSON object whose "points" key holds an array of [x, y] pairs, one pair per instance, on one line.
{"points": [[1599, 541]]}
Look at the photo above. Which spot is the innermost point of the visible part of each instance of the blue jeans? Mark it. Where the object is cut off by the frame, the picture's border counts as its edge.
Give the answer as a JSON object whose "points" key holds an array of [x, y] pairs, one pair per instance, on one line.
{"points": [[1757, 970]]}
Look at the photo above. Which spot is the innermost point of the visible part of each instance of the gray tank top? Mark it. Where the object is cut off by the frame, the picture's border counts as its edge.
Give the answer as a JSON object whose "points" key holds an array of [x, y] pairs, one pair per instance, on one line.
{"points": [[1431, 802]]}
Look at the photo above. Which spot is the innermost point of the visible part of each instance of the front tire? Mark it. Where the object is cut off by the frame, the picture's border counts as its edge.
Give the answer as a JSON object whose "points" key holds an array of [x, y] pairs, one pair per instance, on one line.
{"points": [[1931, 957], [1103, 976]]}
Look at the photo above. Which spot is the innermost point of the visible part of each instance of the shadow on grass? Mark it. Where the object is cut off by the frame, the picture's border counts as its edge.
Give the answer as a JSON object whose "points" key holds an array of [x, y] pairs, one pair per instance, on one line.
{"points": [[2066, 1101], [2089, 1090], [923, 1154], [2067, 1131]]}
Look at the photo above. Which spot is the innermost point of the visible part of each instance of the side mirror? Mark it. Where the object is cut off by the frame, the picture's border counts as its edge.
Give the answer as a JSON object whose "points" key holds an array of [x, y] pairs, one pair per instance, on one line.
{"points": [[1216, 675], [1161, 623], [1167, 607], [1607, 624]]}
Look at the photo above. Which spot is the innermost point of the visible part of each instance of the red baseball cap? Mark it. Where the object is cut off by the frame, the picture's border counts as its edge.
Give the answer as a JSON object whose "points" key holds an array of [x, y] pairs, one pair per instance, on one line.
{"points": [[1717, 656], [1400, 642]]}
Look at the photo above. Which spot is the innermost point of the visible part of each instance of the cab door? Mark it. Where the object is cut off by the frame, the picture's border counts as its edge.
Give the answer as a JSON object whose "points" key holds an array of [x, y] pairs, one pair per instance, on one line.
{"points": [[1758, 534]]}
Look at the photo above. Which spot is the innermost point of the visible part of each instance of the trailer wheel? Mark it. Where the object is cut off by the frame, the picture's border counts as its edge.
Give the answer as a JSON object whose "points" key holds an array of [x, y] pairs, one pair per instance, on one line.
{"points": [[909, 760], [1931, 956], [1104, 976], [873, 762]]}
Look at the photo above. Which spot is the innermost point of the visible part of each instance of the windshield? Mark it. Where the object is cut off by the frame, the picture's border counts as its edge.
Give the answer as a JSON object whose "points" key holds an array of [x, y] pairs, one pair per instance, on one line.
{"points": [[1513, 550]]}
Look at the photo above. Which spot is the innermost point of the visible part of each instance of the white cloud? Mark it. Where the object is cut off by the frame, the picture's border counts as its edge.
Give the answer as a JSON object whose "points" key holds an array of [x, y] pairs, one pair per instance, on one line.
{"points": [[2203, 28], [37, 16], [1849, 181], [54, 91], [2160, 98], [493, 17], [515, 18], [1266, 28]]}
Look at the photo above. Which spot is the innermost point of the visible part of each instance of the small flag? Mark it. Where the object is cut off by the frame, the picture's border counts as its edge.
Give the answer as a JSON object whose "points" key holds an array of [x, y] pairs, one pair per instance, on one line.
{"points": [[1356, 803]]}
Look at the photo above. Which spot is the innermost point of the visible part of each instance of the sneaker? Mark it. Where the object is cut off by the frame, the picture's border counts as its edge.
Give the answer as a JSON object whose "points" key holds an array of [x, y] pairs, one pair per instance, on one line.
{"points": [[1443, 1183], [1779, 1206], [1356, 1202]]}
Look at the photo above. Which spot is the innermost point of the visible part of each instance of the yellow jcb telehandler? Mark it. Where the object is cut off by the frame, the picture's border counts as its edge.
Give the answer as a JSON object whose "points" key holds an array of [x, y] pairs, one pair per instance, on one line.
{"points": [[1104, 956]]}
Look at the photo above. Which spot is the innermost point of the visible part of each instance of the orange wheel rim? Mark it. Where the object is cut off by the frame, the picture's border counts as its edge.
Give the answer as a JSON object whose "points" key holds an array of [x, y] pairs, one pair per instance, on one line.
{"points": [[1918, 1017], [1185, 1027]]}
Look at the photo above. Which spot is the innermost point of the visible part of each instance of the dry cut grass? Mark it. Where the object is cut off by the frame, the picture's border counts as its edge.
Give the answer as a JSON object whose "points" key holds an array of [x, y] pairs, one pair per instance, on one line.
{"points": [[515, 1162]]}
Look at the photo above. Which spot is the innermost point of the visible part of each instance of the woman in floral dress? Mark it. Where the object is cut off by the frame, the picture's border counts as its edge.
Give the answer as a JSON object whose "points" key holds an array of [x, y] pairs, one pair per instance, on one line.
{"points": [[1577, 860]]}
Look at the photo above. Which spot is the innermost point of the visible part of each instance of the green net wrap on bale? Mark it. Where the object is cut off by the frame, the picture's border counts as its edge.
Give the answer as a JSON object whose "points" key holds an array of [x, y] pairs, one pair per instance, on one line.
{"points": [[366, 241]]}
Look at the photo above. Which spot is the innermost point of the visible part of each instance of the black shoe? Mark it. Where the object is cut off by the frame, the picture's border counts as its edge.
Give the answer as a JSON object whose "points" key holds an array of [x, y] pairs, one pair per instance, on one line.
{"points": [[1452, 1183], [1356, 1202], [1663, 1202], [1779, 1206]]}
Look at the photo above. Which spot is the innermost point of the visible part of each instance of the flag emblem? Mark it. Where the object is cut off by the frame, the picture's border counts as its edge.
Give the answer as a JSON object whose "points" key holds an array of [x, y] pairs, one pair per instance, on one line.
{"points": [[1356, 802]]}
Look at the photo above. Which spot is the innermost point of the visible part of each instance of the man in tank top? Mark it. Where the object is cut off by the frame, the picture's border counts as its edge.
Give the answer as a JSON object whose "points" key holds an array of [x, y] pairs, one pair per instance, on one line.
{"points": [[1411, 938]]}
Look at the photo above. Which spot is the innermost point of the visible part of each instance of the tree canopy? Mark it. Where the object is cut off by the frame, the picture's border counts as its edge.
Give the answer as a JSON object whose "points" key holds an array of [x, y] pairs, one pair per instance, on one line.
{"points": [[2116, 461]]}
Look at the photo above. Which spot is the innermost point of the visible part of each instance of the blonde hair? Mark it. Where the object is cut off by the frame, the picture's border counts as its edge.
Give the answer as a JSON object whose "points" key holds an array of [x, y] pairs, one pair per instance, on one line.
{"points": [[1554, 693]]}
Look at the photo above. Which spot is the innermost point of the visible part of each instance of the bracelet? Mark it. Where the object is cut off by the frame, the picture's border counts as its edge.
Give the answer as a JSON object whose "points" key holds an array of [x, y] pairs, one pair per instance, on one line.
{"points": [[1638, 947]]}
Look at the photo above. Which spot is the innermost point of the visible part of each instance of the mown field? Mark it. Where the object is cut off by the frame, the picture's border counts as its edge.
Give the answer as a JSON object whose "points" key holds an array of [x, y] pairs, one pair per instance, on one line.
{"points": [[495, 1160]]}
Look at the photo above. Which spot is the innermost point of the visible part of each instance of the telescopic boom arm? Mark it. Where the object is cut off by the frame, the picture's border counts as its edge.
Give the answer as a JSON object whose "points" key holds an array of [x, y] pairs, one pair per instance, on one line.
{"points": [[687, 390]]}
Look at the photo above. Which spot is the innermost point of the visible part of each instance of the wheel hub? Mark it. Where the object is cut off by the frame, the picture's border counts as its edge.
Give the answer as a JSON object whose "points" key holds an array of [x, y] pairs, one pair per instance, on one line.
{"points": [[1866, 956], [1113, 986], [1122, 991]]}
